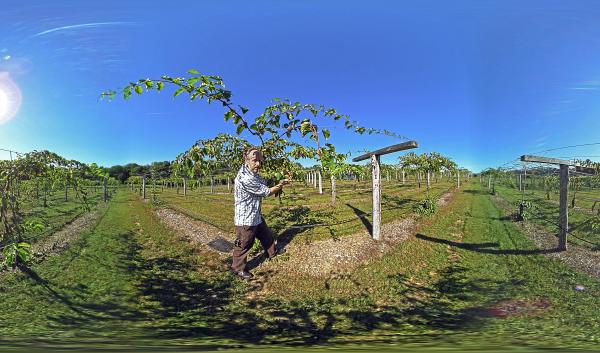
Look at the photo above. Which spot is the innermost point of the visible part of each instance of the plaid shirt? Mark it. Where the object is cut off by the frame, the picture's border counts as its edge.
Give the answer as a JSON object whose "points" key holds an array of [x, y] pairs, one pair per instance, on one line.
{"points": [[249, 189]]}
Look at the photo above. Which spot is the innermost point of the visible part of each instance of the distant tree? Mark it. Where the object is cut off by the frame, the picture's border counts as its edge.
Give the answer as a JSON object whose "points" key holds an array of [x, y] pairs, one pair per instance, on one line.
{"points": [[161, 169], [118, 172]]}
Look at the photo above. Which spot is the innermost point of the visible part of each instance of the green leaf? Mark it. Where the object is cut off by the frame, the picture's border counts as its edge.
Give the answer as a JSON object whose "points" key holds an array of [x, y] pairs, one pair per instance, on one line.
{"points": [[229, 115], [127, 92], [178, 92], [160, 85], [194, 72], [305, 128], [240, 128], [139, 89], [326, 133], [244, 110]]}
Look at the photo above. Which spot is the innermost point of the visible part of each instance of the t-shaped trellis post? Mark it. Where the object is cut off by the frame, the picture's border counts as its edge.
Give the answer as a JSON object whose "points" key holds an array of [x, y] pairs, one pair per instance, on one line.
{"points": [[375, 160], [563, 218]]}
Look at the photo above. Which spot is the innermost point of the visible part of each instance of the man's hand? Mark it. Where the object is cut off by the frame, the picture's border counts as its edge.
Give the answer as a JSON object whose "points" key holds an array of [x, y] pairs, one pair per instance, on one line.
{"points": [[284, 182], [275, 190]]}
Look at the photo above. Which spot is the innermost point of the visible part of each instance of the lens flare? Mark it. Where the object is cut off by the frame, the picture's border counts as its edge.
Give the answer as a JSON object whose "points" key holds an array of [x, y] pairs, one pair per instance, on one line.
{"points": [[10, 98]]}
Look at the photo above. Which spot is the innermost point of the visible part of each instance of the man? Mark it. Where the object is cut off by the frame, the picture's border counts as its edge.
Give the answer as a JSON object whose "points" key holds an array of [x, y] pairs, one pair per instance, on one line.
{"points": [[249, 190]]}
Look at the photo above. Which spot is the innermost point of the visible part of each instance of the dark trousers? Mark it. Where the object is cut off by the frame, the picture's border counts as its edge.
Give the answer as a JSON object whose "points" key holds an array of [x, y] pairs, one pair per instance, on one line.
{"points": [[245, 239]]}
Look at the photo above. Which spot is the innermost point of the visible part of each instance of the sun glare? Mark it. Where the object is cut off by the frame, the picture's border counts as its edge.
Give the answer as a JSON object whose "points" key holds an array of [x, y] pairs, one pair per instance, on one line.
{"points": [[10, 98]]}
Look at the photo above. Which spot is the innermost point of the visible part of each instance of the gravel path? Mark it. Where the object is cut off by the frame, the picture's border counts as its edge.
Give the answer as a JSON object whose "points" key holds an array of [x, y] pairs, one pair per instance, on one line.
{"points": [[579, 257], [331, 256], [197, 232], [61, 239]]}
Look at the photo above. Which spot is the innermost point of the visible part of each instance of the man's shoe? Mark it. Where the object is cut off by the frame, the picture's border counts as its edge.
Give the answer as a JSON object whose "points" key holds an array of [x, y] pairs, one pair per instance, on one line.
{"points": [[277, 253], [243, 274]]}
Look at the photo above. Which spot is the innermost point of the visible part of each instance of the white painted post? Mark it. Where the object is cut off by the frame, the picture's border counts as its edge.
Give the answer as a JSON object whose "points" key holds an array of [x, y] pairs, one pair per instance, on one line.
{"points": [[184, 187], [320, 183], [144, 187], [428, 180], [458, 179], [376, 197], [403, 178]]}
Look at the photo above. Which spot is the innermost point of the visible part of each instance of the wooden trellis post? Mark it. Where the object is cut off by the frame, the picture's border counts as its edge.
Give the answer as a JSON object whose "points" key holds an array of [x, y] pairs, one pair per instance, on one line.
{"points": [[563, 218], [376, 164], [144, 187], [105, 189]]}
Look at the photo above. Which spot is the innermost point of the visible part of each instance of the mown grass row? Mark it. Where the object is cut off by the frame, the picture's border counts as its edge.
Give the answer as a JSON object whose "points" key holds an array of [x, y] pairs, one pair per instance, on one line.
{"points": [[130, 281]]}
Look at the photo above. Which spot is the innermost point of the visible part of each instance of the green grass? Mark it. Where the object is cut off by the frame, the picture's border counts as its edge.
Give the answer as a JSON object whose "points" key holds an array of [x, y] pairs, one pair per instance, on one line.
{"points": [[131, 282], [546, 213]]}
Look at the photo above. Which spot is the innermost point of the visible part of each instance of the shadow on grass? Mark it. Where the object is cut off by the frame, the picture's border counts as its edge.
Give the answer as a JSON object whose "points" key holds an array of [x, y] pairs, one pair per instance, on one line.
{"points": [[486, 248], [170, 299], [394, 201], [200, 308], [476, 192], [363, 218]]}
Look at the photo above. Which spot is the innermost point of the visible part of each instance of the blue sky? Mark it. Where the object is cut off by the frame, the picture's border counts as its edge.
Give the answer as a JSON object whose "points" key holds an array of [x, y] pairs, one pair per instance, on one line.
{"points": [[480, 81]]}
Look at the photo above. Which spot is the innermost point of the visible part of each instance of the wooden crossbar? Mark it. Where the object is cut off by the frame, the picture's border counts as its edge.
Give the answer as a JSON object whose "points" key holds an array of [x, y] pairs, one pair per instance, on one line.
{"points": [[394, 148], [537, 159]]}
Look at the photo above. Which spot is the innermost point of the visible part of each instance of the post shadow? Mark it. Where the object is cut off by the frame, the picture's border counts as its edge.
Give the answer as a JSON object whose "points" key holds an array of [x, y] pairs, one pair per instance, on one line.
{"points": [[363, 218], [486, 248]]}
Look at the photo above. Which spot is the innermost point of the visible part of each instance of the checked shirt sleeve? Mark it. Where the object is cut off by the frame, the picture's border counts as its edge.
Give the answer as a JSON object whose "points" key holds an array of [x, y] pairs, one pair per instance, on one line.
{"points": [[254, 186]]}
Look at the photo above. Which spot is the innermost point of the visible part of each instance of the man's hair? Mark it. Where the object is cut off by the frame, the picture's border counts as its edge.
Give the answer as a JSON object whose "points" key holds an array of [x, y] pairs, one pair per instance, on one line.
{"points": [[249, 151]]}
